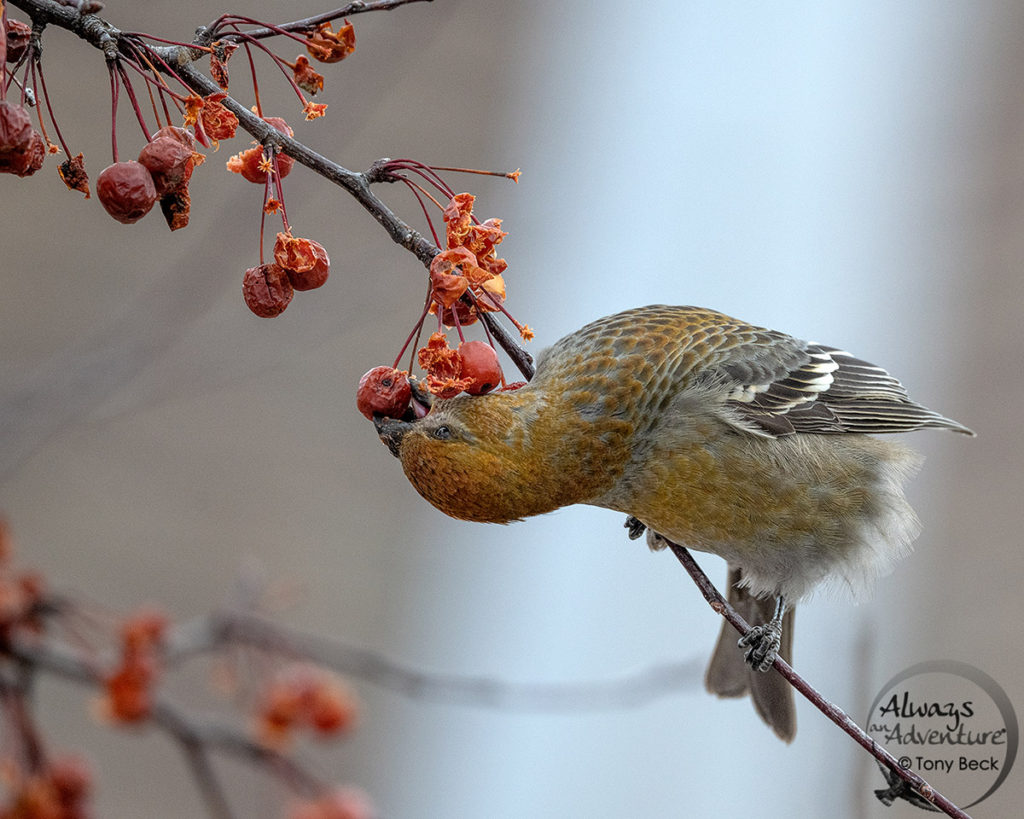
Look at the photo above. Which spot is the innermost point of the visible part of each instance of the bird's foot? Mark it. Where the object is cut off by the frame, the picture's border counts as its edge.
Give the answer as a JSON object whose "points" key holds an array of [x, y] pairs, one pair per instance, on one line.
{"points": [[635, 526], [762, 645]]}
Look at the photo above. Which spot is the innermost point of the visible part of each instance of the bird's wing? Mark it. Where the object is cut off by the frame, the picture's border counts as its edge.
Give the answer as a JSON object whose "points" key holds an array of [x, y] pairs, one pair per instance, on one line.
{"points": [[779, 385]]}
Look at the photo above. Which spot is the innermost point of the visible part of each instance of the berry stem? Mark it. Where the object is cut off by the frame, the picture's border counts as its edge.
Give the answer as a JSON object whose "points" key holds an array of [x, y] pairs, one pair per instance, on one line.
{"points": [[513, 175], [255, 82], [49, 109], [113, 107], [126, 81], [426, 214], [417, 328], [280, 191]]}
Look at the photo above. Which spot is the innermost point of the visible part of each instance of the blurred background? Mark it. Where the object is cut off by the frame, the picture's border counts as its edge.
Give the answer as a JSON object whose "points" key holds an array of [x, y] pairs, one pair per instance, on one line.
{"points": [[851, 173]]}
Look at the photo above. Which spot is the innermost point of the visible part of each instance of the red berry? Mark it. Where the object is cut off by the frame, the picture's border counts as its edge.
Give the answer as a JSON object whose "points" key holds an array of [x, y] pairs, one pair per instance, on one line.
{"points": [[169, 161], [26, 162], [266, 290], [15, 128], [480, 364], [21, 148], [126, 190], [183, 136], [304, 260], [384, 391], [18, 36]]}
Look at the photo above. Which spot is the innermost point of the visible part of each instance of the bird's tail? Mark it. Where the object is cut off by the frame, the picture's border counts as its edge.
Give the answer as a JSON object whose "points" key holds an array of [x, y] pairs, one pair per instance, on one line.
{"points": [[728, 674]]}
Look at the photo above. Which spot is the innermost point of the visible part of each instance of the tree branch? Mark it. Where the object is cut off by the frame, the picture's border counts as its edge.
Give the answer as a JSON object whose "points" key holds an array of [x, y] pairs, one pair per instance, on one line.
{"points": [[829, 709], [215, 631], [99, 33]]}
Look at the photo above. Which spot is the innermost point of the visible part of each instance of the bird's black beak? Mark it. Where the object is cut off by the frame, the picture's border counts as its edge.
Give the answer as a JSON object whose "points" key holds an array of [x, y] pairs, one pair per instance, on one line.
{"points": [[391, 432]]}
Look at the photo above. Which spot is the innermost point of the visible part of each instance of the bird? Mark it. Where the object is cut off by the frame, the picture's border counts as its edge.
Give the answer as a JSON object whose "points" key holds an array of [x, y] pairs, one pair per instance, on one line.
{"points": [[706, 431]]}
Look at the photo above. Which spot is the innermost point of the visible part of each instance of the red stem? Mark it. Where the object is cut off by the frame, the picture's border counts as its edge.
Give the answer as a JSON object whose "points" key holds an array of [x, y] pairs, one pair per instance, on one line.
{"points": [[426, 214], [415, 330], [255, 82], [280, 191], [135, 103], [49, 108], [113, 108]]}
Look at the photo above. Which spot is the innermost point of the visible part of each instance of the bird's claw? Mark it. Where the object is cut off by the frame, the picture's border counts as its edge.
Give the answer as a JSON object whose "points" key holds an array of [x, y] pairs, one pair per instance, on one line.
{"points": [[762, 645], [635, 527]]}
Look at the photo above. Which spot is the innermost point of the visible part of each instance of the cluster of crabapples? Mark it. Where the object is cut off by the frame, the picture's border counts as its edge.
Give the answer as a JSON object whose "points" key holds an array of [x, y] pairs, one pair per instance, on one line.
{"points": [[128, 190], [465, 282], [387, 391]]}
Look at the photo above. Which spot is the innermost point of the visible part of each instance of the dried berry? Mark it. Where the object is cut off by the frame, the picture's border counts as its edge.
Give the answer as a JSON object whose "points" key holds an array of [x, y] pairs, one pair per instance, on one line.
{"points": [[175, 207], [72, 171], [18, 35], [460, 314], [169, 161], [15, 128], [27, 161], [384, 391], [218, 121], [266, 290], [183, 135], [329, 46], [251, 164], [304, 260], [305, 77], [126, 190], [480, 365]]}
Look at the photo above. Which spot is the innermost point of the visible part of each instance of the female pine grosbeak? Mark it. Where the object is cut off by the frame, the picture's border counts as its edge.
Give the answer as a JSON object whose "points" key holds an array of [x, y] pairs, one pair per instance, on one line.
{"points": [[712, 433]]}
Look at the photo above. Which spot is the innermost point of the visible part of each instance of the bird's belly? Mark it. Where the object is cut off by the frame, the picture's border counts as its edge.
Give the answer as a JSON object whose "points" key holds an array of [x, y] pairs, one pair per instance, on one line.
{"points": [[791, 512]]}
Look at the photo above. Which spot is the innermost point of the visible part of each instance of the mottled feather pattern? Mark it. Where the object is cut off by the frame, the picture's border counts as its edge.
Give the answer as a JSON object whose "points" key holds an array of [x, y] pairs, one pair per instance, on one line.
{"points": [[697, 424], [719, 435], [775, 384]]}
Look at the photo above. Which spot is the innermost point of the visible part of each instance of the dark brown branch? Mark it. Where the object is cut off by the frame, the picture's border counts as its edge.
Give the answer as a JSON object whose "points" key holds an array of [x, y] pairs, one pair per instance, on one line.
{"points": [[829, 709]]}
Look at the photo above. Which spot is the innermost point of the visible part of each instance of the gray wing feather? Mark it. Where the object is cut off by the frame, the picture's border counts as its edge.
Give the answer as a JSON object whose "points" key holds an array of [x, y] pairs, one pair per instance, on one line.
{"points": [[780, 386]]}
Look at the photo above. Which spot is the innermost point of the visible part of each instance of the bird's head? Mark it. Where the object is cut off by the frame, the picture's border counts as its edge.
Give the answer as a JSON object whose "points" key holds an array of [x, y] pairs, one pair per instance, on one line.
{"points": [[478, 457]]}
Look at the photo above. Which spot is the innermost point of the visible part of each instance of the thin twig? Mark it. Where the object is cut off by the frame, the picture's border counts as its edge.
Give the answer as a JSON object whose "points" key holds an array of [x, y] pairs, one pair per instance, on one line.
{"points": [[829, 709], [216, 631], [310, 23]]}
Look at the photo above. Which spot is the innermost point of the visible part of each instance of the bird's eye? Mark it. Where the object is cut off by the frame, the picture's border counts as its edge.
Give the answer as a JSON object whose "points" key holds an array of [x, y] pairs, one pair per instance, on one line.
{"points": [[443, 433]]}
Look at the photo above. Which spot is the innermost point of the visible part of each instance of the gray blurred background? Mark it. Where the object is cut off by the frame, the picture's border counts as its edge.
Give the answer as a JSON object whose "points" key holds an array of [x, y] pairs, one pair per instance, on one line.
{"points": [[848, 172]]}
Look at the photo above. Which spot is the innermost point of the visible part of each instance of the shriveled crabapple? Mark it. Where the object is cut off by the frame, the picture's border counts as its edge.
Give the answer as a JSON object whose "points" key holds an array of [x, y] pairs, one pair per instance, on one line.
{"points": [[252, 164], [15, 127], [169, 161], [480, 365], [26, 162], [19, 35], [218, 122], [126, 191], [266, 290], [304, 260], [181, 134], [175, 207], [384, 391]]}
